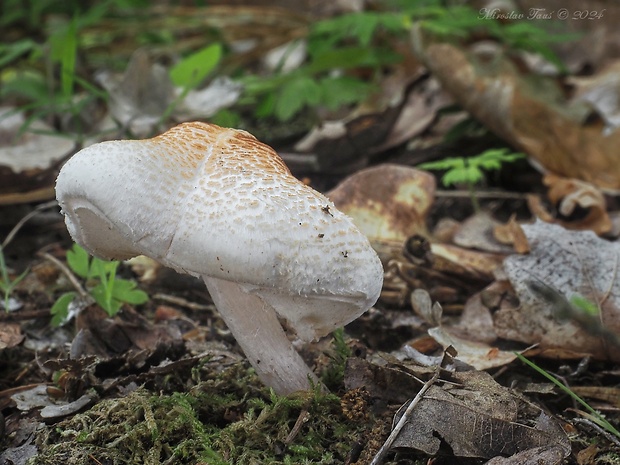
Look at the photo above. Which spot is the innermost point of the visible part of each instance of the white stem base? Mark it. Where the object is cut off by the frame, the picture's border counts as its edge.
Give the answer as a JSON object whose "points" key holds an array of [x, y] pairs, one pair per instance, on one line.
{"points": [[255, 326]]}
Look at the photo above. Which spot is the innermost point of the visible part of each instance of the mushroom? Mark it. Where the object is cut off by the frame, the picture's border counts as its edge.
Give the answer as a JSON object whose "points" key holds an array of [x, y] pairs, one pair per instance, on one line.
{"points": [[218, 204]]}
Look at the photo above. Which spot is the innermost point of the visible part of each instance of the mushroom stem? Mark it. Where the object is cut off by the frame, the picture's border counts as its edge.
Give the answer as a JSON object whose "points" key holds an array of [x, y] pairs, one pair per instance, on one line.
{"points": [[255, 326]]}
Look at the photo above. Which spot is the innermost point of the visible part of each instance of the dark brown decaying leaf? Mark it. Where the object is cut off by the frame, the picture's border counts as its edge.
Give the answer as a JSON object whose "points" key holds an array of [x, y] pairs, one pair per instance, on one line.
{"points": [[543, 455], [391, 383], [476, 417]]}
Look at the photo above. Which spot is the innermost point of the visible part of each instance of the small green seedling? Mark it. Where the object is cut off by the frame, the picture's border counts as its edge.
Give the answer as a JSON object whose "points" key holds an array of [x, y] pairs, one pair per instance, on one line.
{"points": [[6, 284], [108, 291], [470, 171], [333, 374], [594, 416]]}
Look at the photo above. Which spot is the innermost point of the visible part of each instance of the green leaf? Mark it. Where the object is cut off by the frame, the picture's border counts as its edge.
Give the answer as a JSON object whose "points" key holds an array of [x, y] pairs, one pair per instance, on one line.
{"points": [[445, 164], [29, 84], [109, 293], [190, 71], [493, 159], [64, 50], [125, 291], [338, 91], [102, 268], [365, 27], [351, 57], [296, 94], [473, 174], [226, 118], [104, 299], [60, 309], [360, 26], [465, 175], [266, 105], [488, 164], [79, 261], [9, 52]]}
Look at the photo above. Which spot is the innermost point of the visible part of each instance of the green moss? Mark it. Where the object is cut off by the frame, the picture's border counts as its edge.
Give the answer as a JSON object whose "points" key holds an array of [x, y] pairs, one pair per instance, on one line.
{"points": [[222, 420], [333, 374]]}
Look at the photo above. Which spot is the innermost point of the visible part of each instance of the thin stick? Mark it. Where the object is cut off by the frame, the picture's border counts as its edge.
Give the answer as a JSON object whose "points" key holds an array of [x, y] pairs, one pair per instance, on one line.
{"points": [[66, 271], [481, 194], [301, 419], [610, 437], [385, 448], [20, 223], [171, 299]]}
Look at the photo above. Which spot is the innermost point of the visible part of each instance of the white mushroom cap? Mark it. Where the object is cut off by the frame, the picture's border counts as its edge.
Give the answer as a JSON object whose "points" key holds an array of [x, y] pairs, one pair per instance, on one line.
{"points": [[216, 202]]}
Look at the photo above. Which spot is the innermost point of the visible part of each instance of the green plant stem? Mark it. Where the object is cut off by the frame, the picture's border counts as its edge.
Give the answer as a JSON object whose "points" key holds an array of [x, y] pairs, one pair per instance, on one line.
{"points": [[4, 283], [597, 417], [474, 199]]}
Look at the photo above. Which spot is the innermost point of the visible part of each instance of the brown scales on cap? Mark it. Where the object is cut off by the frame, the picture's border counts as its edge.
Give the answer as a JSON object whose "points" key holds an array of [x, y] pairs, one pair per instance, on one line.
{"points": [[230, 148]]}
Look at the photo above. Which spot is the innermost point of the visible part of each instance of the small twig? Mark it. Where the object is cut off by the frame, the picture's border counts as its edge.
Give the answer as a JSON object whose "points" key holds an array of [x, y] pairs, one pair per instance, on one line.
{"points": [[182, 302], [385, 448], [20, 223], [610, 437], [25, 315], [92, 457], [482, 194], [67, 272], [301, 419]]}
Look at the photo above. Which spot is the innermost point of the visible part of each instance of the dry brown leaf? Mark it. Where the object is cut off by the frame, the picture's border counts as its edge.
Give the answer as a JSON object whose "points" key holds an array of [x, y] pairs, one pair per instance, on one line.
{"points": [[464, 262], [471, 350], [478, 232], [512, 233], [479, 355], [10, 335], [607, 394], [347, 143], [536, 206], [570, 194], [531, 114], [586, 456]]}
